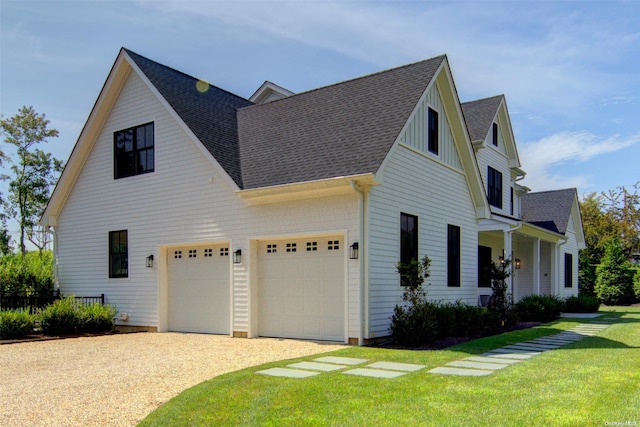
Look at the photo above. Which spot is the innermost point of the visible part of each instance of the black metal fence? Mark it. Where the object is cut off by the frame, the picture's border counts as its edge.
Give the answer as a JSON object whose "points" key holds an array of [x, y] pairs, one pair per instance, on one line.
{"points": [[35, 303]]}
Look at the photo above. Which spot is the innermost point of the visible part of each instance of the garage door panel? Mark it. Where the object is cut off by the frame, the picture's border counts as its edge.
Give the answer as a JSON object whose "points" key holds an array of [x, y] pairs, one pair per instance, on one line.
{"points": [[199, 291], [301, 292]]}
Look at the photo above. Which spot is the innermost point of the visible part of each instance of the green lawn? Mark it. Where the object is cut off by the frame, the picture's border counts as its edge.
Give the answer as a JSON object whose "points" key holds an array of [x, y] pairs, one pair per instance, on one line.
{"points": [[594, 382]]}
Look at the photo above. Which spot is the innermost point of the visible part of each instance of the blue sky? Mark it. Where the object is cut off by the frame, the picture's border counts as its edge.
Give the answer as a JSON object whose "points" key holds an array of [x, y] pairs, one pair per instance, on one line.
{"points": [[570, 70]]}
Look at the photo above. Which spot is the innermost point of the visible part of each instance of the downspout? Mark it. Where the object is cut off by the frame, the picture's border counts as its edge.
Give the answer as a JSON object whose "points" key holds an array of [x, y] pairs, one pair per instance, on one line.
{"points": [[363, 291], [56, 283]]}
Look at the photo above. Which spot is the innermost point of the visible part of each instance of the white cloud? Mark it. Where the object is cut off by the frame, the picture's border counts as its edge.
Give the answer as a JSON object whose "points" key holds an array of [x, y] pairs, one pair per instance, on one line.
{"points": [[542, 159]]}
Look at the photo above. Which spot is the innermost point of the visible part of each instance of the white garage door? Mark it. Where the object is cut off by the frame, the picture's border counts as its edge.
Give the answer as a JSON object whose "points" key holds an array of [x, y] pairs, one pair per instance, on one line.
{"points": [[301, 288], [199, 289]]}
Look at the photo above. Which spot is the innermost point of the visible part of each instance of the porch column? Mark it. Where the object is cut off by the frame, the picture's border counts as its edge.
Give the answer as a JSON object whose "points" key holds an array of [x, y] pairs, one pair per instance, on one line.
{"points": [[508, 253], [536, 266]]}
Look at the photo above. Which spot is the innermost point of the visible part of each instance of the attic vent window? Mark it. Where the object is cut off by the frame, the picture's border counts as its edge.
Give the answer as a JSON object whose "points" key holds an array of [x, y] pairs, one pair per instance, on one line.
{"points": [[494, 135], [133, 151], [432, 131]]}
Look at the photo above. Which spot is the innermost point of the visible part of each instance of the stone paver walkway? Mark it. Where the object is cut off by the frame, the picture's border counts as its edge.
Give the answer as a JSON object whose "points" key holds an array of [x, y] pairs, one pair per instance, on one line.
{"points": [[500, 358], [347, 364]]}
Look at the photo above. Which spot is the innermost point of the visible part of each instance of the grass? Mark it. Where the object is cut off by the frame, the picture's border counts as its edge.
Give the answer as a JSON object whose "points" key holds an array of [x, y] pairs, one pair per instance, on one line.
{"points": [[593, 382]]}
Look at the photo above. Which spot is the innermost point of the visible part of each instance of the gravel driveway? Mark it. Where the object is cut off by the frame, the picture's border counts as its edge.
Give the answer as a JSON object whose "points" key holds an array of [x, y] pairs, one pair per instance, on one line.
{"points": [[116, 380]]}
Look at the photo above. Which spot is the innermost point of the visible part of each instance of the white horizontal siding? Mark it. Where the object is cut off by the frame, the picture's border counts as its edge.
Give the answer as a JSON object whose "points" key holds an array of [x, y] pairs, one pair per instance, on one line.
{"points": [[185, 200], [438, 195]]}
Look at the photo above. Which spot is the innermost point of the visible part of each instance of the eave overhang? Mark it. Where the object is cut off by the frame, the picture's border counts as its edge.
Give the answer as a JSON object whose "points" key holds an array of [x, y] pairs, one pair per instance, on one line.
{"points": [[306, 190]]}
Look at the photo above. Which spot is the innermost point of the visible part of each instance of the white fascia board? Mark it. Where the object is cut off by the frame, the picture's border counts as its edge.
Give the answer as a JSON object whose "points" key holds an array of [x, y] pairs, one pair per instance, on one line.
{"points": [[182, 124], [541, 233]]}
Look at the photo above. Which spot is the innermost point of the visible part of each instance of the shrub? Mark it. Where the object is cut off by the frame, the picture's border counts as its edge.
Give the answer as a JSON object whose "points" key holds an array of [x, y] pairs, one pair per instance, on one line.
{"points": [[539, 308], [581, 304], [15, 324], [458, 319], [414, 323], [614, 280], [60, 318], [500, 307], [636, 284], [28, 275], [96, 317]]}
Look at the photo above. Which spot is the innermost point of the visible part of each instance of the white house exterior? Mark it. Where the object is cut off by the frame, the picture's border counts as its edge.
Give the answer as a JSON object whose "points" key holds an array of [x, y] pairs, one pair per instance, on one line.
{"points": [[195, 210]]}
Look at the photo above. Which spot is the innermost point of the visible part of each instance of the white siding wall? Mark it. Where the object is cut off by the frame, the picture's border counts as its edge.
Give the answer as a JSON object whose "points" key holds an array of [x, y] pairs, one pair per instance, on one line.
{"points": [[186, 200], [418, 185]]}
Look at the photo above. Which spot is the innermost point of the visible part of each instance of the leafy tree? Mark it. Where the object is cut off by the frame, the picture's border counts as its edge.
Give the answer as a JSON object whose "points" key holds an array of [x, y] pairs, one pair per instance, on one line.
{"points": [[33, 172], [623, 206], [614, 280]]}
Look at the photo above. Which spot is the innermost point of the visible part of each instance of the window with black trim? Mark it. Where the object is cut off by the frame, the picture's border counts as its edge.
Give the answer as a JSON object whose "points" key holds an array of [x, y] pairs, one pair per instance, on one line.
{"points": [[494, 189], [432, 131], [453, 255], [511, 200], [408, 238], [494, 134], [568, 270], [133, 151], [118, 254]]}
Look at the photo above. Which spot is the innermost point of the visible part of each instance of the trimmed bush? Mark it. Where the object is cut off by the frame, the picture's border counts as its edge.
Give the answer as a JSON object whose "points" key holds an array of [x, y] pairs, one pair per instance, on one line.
{"points": [[414, 325], [581, 304], [15, 324], [95, 318], [61, 318], [614, 280], [459, 320], [539, 308]]}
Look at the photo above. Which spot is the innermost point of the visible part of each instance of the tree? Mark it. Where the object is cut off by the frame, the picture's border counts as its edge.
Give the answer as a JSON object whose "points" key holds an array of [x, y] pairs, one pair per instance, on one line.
{"points": [[33, 172], [614, 279]]}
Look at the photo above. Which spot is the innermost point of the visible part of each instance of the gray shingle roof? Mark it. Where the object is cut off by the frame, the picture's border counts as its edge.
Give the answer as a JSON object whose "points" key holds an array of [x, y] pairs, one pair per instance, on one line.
{"points": [[549, 209], [339, 130], [479, 115], [211, 114]]}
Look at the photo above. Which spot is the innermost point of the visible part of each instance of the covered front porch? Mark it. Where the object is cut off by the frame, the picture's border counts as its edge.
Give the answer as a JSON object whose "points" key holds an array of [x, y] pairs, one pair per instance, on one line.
{"points": [[534, 253]]}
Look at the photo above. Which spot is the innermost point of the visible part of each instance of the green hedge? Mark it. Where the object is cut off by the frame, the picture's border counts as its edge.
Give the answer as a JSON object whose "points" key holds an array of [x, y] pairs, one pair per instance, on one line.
{"points": [[15, 324], [539, 308], [581, 304], [67, 316]]}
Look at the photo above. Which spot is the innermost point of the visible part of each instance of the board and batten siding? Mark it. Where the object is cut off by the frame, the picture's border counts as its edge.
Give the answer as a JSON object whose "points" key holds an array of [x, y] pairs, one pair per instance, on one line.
{"points": [[498, 160], [186, 200], [415, 135], [570, 247], [438, 195]]}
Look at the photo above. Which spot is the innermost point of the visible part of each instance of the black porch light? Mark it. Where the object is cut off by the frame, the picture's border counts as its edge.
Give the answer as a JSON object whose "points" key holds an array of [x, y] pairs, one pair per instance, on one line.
{"points": [[150, 261], [237, 256], [354, 251]]}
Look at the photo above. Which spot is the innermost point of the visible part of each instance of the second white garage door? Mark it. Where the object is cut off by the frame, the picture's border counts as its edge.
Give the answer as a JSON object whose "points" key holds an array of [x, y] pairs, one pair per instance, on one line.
{"points": [[301, 288], [199, 291]]}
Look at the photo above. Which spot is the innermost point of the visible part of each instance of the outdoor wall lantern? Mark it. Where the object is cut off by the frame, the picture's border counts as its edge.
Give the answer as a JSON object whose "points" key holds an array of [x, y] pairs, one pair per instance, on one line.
{"points": [[150, 261], [237, 256], [354, 251], [517, 263], [501, 259]]}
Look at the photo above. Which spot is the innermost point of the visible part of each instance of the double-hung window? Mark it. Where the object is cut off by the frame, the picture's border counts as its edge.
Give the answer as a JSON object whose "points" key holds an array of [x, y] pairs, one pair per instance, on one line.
{"points": [[133, 151], [432, 131], [408, 238], [494, 179], [118, 254], [453, 255]]}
